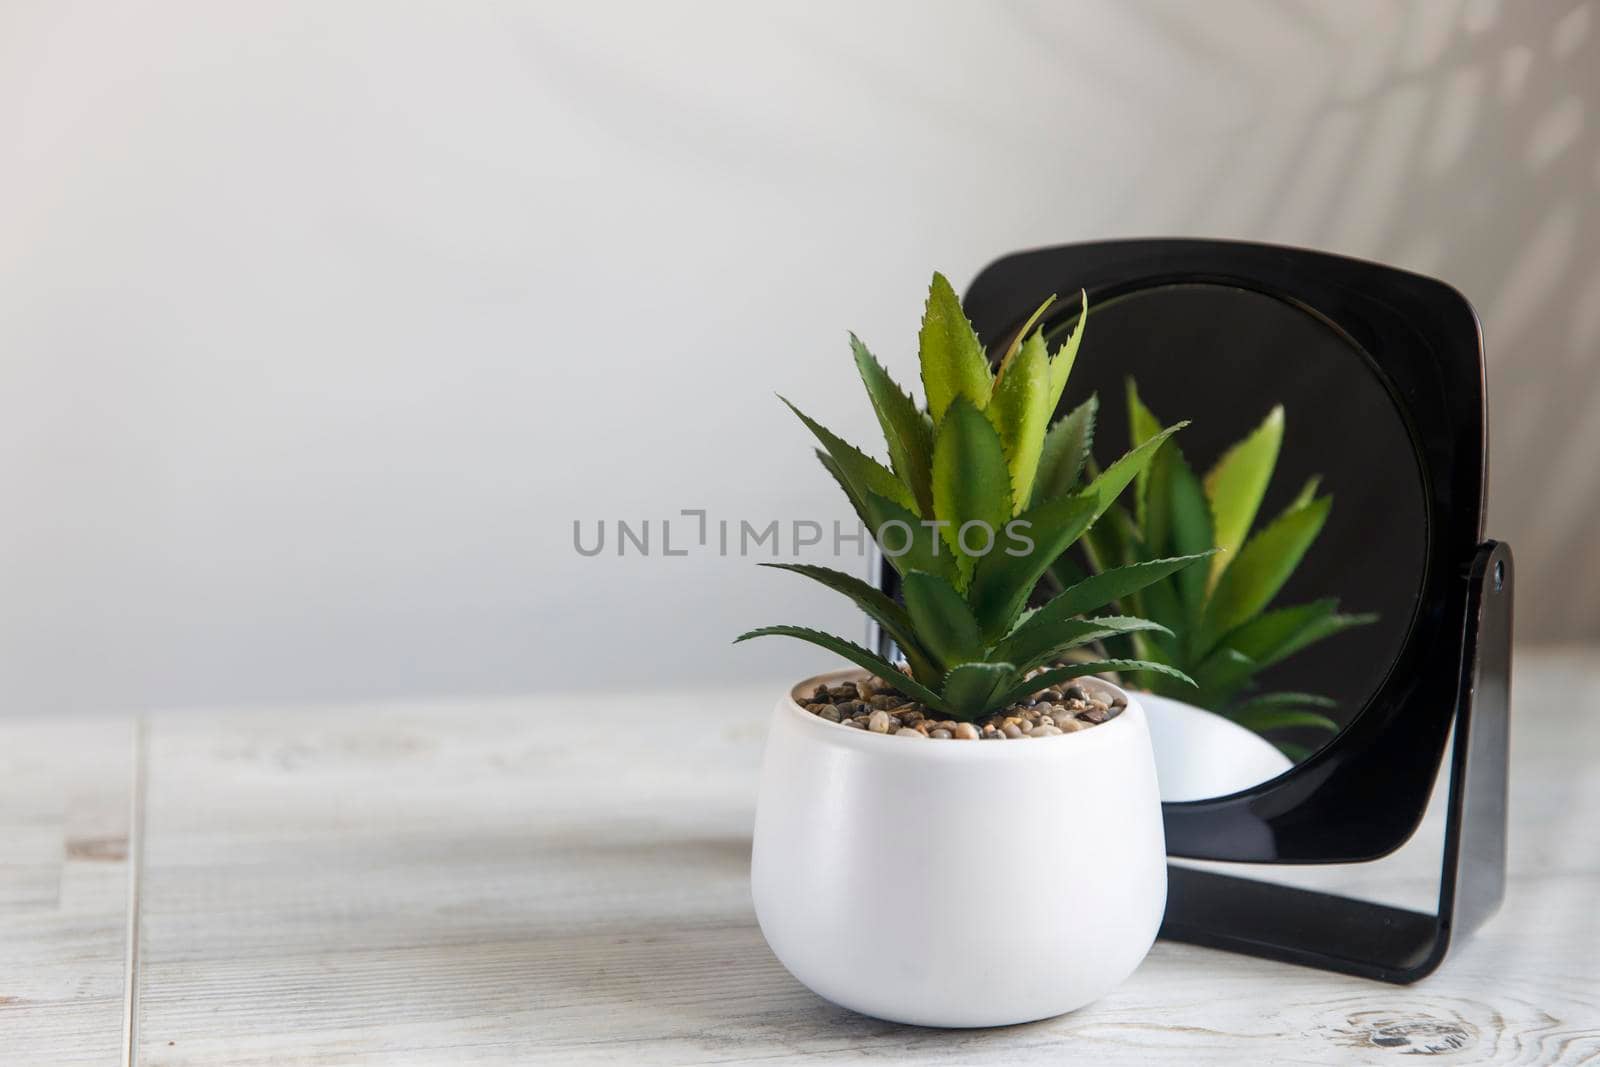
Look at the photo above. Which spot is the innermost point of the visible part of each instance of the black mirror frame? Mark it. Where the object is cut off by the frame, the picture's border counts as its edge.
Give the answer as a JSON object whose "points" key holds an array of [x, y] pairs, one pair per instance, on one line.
{"points": [[1362, 795]]}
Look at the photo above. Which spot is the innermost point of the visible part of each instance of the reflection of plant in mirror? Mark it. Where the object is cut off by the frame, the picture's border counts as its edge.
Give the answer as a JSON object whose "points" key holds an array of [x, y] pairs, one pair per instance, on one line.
{"points": [[1221, 631], [963, 478]]}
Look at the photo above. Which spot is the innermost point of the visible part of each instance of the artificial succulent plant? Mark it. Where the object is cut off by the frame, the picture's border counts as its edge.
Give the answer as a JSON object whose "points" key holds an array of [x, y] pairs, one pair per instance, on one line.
{"points": [[1218, 625], [964, 517]]}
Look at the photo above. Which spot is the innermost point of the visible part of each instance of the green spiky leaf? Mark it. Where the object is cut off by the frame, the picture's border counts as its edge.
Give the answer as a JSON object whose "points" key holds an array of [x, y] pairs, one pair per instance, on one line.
{"points": [[1003, 580], [906, 431], [1178, 522], [857, 504], [1061, 363], [971, 484], [1237, 483], [906, 541], [1066, 446], [1275, 635], [1100, 590], [953, 361], [1164, 600], [1109, 484], [1022, 334], [1221, 674], [969, 690], [1113, 541], [1307, 492], [1064, 573], [853, 652], [1263, 717], [1046, 679], [1142, 427], [1262, 566], [1020, 411], [1034, 642], [863, 473], [894, 619], [944, 623], [1142, 423]]}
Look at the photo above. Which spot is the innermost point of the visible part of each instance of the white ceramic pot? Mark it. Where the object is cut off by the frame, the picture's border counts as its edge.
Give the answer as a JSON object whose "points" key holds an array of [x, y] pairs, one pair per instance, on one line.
{"points": [[1200, 754], [958, 883]]}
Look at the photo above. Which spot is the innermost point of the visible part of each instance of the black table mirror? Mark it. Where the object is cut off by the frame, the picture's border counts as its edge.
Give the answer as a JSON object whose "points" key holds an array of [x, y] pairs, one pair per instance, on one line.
{"points": [[1323, 749]]}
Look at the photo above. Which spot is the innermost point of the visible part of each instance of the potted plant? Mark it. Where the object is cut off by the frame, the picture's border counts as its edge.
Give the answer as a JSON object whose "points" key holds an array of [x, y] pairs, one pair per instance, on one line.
{"points": [[1019, 875], [1218, 623]]}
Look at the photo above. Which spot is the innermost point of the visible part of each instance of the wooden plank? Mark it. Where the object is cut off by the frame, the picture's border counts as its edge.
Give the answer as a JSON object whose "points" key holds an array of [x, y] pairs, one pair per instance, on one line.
{"points": [[64, 888], [508, 883]]}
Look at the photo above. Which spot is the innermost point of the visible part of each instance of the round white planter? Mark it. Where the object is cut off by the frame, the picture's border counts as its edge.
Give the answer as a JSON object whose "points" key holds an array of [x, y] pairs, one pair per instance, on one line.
{"points": [[1199, 754], [958, 883]]}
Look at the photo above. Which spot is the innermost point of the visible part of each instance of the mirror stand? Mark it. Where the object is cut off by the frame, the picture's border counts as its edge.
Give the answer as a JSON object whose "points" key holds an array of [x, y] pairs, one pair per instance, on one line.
{"points": [[1375, 940]]}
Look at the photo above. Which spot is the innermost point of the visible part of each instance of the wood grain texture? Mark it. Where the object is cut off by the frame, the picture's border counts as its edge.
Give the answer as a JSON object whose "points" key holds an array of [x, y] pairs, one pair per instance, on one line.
{"points": [[494, 882], [64, 790]]}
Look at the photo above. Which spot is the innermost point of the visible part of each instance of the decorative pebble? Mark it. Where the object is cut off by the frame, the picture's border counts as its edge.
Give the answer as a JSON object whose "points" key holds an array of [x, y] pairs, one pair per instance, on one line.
{"points": [[878, 708]]}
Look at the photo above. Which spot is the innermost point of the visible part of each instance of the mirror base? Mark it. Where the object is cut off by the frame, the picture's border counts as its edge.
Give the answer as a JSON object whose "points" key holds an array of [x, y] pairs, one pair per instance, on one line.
{"points": [[1371, 940]]}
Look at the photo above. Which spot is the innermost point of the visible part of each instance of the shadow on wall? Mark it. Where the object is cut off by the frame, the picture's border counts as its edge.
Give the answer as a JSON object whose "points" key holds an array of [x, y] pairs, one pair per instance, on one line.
{"points": [[1469, 153]]}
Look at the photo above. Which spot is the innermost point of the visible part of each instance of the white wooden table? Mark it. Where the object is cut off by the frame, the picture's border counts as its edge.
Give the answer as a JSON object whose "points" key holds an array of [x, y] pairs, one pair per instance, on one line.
{"points": [[486, 883]]}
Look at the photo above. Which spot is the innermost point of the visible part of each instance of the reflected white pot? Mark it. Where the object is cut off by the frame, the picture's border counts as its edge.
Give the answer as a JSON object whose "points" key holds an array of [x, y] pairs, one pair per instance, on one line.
{"points": [[1200, 754], [958, 883]]}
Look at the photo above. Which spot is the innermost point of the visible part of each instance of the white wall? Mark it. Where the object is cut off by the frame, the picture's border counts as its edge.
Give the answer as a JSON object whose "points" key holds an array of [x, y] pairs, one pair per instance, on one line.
{"points": [[320, 323]]}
